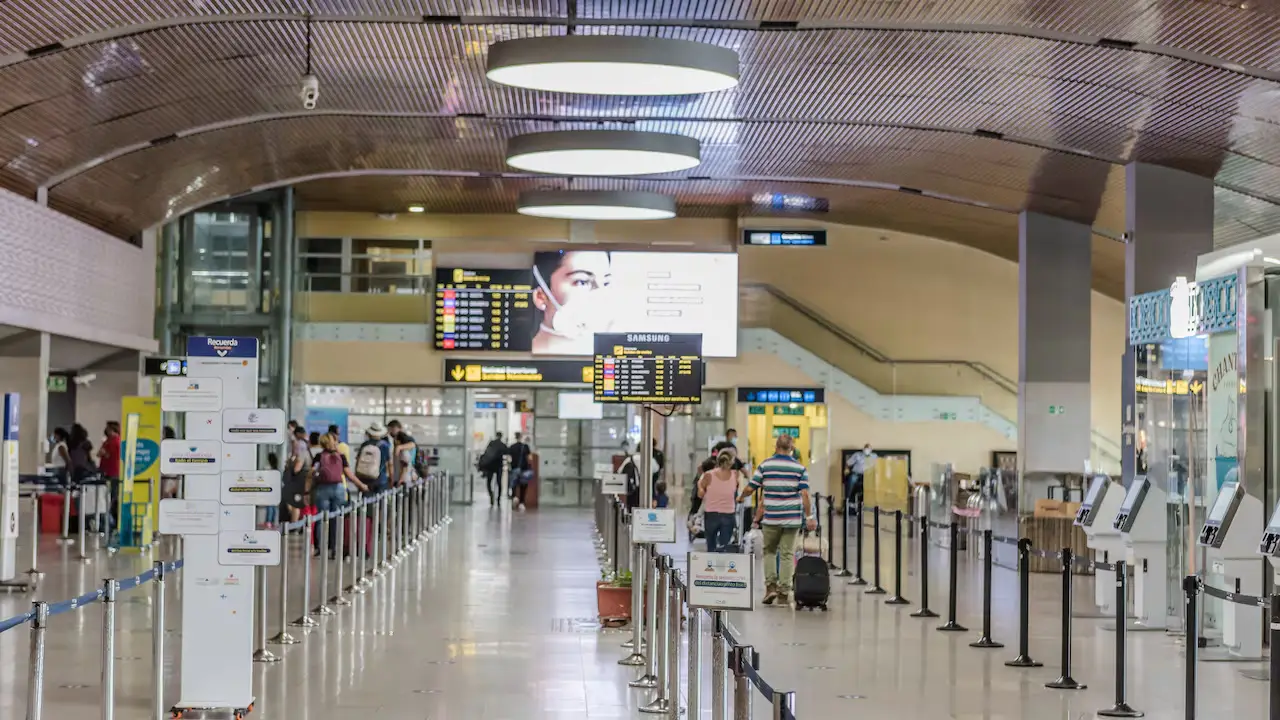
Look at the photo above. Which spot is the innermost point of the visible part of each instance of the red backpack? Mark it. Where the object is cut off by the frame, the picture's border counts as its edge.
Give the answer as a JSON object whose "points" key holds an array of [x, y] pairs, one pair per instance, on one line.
{"points": [[330, 471]]}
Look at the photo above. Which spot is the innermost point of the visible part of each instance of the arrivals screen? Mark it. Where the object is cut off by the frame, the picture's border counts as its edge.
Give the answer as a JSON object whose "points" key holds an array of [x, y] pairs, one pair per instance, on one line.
{"points": [[557, 305], [648, 368]]}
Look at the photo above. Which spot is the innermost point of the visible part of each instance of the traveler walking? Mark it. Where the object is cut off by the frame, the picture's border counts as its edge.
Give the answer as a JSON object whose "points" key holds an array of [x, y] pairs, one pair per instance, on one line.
{"points": [[373, 459], [521, 471], [718, 490], [786, 507], [490, 465]]}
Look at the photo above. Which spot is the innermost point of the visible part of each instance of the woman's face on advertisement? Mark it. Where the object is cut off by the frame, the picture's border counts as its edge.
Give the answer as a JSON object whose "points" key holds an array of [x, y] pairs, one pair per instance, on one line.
{"points": [[580, 273]]}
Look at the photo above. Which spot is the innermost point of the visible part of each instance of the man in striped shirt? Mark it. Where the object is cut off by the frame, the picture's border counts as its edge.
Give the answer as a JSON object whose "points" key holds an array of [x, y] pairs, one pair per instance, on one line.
{"points": [[786, 507]]}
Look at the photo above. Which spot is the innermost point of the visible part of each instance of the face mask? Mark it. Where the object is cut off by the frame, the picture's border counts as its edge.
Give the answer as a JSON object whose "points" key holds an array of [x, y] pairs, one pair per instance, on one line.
{"points": [[577, 319]]}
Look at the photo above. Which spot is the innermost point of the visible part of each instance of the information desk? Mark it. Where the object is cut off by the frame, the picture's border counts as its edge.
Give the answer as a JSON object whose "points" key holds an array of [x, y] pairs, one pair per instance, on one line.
{"points": [[483, 310], [648, 368]]}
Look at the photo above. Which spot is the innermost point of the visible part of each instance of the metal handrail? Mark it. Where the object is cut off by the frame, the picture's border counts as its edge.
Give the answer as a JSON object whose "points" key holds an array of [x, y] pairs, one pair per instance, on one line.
{"points": [[867, 349], [1106, 445]]}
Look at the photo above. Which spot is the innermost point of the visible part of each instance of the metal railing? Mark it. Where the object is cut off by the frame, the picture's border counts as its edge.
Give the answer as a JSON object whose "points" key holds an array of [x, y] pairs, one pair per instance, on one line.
{"points": [[387, 527], [734, 665]]}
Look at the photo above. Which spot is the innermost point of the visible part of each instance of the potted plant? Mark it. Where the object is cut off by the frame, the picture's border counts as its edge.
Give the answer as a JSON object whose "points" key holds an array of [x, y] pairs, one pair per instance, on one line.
{"points": [[613, 598]]}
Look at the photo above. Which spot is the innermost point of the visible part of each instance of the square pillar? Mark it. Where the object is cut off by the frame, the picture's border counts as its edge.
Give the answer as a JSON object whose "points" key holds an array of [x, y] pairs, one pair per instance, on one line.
{"points": [[1054, 399], [24, 369]]}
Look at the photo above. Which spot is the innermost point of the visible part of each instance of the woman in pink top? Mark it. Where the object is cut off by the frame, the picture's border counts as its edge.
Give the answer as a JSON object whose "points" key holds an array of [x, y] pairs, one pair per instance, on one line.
{"points": [[718, 488]]}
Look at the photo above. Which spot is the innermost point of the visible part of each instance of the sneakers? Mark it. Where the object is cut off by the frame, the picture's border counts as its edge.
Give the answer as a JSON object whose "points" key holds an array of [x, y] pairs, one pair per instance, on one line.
{"points": [[770, 595], [783, 601]]}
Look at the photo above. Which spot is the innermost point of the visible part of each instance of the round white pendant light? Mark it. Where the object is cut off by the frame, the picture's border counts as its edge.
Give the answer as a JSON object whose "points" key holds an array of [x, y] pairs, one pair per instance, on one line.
{"points": [[613, 65], [603, 152], [597, 205]]}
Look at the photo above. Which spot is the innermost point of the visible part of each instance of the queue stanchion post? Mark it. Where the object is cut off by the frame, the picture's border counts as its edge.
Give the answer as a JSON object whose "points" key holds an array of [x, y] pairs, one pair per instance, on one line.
{"points": [[261, 653], [361, 535], [379, 536], [857, 565], [693, 683], [109, 649], [1024, 608], [875, 588], [34, 572], [896, 598], [953, 581], [66, 516], [783, 706], [924, 611], [158, 622], [283, 637], [305, 619], [831, 532], [35, 664], [344, 552], [80, 522], [384, 564], [719, 669], [636, 643], [1121, 708], [1065, 681], [987, 550], [740, 656], [1273, 666], [649, 678], [323, 596], [1191, 592], [844, 539]]}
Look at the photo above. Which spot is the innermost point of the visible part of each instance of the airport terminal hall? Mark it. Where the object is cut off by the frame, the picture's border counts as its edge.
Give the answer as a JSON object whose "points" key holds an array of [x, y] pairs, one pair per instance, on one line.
{"points": [[623, 359]]}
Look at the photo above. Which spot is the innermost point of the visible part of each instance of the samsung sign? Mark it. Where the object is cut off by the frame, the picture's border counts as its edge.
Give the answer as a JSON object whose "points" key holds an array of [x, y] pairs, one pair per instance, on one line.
{"points": [[803, 238]]}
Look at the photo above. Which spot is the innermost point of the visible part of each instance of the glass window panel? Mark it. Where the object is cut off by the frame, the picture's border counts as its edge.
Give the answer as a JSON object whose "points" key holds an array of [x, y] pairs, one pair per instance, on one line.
{"points": [[707, 433], [453, 460], [713, 402], [357, 424], [546, 403], [553, 432], [424, 401], [605, 433], [557, 462], [615, 410], [359, 399], [323, 246]]}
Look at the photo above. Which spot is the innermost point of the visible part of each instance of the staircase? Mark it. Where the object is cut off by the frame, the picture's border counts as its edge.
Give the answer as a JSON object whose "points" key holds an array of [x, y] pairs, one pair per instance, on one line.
{"points": [[883, 387]]}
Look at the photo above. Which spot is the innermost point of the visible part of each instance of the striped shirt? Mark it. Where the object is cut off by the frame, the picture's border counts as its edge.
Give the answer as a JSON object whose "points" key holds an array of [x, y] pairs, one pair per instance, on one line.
{"points": [[783, 479]]}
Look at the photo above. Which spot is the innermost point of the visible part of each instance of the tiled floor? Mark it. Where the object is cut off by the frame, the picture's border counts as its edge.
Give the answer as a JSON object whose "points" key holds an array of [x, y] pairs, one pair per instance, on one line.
{"points": [[492, 620]]}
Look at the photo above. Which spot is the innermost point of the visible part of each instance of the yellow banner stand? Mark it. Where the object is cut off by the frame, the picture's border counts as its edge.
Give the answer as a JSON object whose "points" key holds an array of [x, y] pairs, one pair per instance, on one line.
{"points": [[140, 424]]}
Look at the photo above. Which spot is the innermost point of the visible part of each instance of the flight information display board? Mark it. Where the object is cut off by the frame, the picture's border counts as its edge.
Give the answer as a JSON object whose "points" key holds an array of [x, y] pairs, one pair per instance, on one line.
{"points": [[483, 310], [648, 368]]}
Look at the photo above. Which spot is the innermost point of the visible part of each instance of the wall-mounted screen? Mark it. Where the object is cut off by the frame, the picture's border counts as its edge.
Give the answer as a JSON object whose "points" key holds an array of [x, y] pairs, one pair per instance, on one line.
{"points": [[566, 296], [579, 406]]}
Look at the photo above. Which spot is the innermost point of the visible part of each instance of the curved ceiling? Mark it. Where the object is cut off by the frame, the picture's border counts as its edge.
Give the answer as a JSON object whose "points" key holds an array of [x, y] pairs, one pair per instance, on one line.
{"points": [[944, 118]]}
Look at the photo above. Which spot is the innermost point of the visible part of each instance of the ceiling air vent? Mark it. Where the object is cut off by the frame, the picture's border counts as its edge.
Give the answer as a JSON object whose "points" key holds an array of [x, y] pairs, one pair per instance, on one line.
{"points": [[992, 134], [779, 25], [910, 190], [1117, 44], [442, 19], [45, 49]]}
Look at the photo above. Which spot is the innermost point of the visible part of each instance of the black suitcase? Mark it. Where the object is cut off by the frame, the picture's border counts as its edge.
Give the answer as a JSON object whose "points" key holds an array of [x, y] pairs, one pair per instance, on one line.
{"points": [[812, 584]]}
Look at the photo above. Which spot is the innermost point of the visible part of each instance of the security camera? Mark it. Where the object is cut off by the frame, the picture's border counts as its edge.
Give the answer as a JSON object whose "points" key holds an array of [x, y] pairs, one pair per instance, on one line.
{"points": [[84, 380], [310, 92]]}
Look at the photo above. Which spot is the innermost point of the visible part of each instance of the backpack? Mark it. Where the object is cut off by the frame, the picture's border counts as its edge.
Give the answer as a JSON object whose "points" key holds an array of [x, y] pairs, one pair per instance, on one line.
{"points": [[330, 470], [422, 462], [369, 462]]}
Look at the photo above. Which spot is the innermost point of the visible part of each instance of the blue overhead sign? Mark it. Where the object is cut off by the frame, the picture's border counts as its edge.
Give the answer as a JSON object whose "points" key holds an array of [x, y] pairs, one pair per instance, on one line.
{"points": [[781, 395], [784, 238], [223, 347]]}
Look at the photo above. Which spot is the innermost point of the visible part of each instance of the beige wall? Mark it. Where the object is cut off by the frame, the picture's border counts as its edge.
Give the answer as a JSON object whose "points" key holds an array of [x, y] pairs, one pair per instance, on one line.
{"points": [[914, 297], [99, 401]]}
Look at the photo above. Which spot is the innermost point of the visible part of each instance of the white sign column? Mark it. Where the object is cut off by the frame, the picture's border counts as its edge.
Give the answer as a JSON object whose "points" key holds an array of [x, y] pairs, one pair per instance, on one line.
{"points": [[218, 594], [9, 488]]}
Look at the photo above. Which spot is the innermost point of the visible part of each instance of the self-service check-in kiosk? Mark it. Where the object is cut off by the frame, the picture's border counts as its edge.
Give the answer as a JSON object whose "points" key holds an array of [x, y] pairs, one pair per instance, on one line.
{"points": [[1142, 521], [1102, 501], [1229, 536]]}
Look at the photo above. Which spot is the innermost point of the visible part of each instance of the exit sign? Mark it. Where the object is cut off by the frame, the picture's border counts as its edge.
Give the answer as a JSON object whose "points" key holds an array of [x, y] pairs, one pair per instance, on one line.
{"points": [[56, 383], [1057, 410]]}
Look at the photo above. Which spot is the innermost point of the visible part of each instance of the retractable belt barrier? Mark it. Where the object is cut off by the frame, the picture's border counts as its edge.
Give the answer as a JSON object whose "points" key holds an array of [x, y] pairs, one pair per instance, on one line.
{"points": [[656, 653], [1192, 587], [402, 518]]}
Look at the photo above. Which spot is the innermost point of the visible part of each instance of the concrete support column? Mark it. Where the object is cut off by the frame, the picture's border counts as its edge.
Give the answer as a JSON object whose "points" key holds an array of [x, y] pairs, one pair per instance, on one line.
{"points": [[1054, 398], [1169, 223], [24, 367]]}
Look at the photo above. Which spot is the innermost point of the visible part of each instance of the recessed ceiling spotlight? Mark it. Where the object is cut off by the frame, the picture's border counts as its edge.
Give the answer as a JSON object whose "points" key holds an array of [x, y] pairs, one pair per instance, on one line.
{"points": [[597, 205], [603, 152], [613, 65], [417, 209]]}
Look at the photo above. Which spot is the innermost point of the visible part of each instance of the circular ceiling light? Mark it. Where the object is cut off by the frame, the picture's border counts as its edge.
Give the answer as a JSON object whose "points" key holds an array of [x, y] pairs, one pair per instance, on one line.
{"points": [[603, 152], [597, 205], [613, 65], [417, 209]]}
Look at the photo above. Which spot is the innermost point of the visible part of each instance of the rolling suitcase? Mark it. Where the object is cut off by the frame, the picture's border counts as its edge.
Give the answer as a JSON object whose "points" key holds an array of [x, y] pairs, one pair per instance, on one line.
{"points": [[811, 587]]}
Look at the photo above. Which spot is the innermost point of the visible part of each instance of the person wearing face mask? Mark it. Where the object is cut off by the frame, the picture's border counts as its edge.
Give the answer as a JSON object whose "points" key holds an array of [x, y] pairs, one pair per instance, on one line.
{"points": [[572, 295]]}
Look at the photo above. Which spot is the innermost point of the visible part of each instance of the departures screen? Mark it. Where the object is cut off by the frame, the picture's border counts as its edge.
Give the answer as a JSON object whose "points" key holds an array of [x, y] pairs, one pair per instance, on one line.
{"points": [[647, 368], [557, 305]]}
